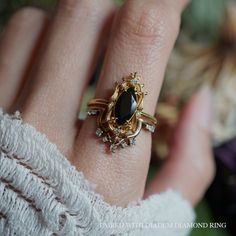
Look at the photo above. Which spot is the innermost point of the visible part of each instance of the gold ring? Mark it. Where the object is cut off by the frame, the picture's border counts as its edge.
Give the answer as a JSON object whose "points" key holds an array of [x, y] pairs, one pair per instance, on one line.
{"points": [[121, 118]]}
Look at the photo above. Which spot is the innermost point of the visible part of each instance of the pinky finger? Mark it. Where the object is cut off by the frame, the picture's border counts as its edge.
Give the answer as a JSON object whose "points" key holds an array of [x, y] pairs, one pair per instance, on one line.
{"points": [[190, 167]]}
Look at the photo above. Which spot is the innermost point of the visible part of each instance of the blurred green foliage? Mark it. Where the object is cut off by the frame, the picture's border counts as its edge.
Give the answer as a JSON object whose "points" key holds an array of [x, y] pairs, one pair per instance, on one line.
{"points": [[202, 18]]}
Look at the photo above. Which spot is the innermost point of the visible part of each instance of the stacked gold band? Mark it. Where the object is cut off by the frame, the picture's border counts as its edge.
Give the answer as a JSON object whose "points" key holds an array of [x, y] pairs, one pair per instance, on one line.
{"points": [[101, 104]]}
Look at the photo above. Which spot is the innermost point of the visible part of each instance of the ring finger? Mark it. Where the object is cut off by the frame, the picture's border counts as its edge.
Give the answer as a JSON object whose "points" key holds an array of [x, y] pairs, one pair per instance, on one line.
{"points": [[143, 37]]}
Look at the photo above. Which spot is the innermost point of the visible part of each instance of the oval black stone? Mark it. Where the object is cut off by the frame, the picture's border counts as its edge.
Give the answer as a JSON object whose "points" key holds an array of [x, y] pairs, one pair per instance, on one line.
{"points": [[126, 106]]}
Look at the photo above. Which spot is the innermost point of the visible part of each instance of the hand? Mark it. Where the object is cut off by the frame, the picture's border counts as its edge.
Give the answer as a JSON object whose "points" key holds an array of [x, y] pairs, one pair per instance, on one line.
{"points": [[46, 63]]}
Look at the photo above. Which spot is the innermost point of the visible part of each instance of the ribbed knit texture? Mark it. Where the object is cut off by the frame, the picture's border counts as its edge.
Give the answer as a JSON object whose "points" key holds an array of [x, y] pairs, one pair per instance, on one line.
{"points": [[41, 193]]}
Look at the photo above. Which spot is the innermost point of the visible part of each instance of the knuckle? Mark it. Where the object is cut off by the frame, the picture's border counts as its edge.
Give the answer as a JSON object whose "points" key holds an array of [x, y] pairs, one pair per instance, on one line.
{"points": [[27, 14], [75, 9], [68, 7], [149, 22]]}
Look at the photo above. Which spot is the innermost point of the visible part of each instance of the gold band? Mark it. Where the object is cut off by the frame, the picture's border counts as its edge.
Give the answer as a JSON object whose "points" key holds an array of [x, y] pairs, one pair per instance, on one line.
{"points": [[103, 103], [121, 118]]}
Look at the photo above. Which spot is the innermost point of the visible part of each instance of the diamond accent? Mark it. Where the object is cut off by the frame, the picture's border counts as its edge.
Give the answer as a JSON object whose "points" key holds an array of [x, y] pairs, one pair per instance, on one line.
{"points": [[113, 148], [150, 128], [117, 131], [105, 139], [99, 132], [132, 141], [92, 112], [134, 81], [123, 144]]}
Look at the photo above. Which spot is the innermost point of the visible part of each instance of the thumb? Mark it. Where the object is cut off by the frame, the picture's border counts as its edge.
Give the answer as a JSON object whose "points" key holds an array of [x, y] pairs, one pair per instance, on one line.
{"points": [[189, 168]]}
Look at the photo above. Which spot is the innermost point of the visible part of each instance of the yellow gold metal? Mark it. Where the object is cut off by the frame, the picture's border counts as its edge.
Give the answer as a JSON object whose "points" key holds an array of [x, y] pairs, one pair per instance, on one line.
{"points": [[108, 127]]}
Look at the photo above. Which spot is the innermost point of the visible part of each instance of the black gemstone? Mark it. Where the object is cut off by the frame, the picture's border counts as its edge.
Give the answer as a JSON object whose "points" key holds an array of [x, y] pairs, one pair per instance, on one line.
{"points": [[126, 106]]}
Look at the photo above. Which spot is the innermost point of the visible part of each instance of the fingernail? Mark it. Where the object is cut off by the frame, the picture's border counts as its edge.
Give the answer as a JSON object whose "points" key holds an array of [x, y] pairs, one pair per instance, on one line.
{"points": [[205, 98]]}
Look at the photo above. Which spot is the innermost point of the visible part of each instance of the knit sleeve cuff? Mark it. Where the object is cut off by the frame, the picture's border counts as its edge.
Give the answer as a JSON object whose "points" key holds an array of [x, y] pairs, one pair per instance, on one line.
{"points": [[41, 193]]}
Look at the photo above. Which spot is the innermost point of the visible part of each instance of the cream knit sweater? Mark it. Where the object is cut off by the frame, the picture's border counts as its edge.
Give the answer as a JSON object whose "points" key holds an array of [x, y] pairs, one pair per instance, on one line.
{"points": [[41, 193]]}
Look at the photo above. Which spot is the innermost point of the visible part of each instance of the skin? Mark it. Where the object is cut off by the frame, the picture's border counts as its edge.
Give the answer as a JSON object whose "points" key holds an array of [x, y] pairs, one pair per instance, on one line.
{"points": [[60, 53]]}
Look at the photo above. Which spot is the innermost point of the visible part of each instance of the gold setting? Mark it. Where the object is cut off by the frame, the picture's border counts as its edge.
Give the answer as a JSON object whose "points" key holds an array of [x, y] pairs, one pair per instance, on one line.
{"points": [[108, 128]]}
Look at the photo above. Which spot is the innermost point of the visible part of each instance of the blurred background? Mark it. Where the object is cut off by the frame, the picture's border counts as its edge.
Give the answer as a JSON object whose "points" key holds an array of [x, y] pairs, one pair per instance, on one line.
{"points": [[205, 52]]}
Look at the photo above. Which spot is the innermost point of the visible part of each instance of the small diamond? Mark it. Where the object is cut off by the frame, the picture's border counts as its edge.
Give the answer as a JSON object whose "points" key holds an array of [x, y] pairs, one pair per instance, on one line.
{"points": [[150, 128], [92, 112], [99, 132], [134, 81], [132, 141], [105, 139], [117, 131], [113, 148], [123, 144]]}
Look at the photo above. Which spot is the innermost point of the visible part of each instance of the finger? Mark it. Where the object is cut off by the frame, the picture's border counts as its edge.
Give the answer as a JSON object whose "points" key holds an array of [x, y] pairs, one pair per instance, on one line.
{"points": [[143, 36], [190, 167], [18, 45], [65, 67]]}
